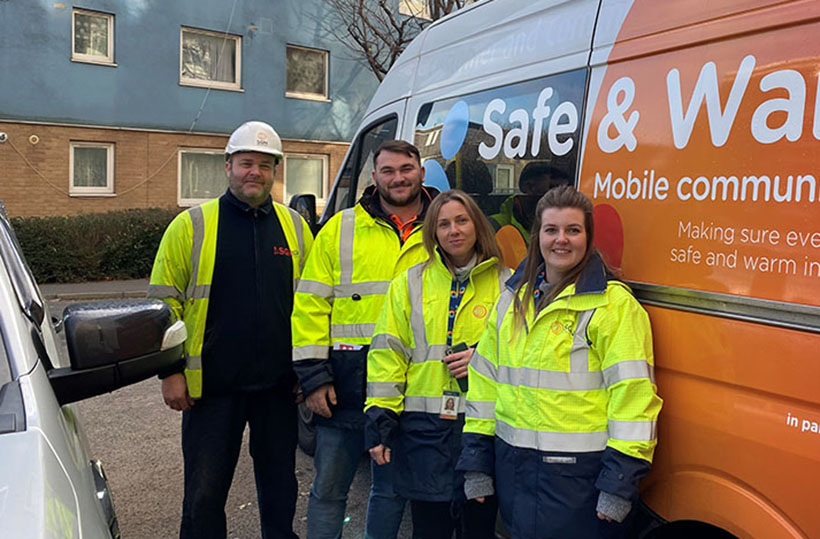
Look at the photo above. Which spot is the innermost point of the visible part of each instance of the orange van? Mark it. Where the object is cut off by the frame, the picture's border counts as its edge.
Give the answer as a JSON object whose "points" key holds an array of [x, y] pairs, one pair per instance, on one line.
{"points": [[694, 127]]}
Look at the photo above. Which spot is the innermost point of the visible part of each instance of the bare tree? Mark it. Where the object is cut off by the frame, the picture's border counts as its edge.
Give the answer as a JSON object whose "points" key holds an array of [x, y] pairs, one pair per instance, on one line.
{"points": [[376, 32]]}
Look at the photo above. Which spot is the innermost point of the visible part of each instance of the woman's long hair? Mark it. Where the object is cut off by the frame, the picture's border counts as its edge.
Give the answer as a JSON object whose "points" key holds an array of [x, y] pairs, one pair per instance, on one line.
{"points": [[485, 245], [563, 196]]}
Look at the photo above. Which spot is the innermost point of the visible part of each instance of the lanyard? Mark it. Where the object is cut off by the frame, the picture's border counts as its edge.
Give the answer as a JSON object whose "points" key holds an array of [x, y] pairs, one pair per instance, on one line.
{"points": [[537, 293], [456, 293]]}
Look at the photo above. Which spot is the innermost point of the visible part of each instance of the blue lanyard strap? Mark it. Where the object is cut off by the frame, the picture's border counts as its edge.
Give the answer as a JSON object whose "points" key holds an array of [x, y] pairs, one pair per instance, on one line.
{"points": [[456, 293]]}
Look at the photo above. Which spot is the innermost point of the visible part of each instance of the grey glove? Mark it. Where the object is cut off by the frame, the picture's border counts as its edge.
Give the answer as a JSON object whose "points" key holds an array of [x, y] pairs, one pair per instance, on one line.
{"points": [[613, 506], [477, 485]]}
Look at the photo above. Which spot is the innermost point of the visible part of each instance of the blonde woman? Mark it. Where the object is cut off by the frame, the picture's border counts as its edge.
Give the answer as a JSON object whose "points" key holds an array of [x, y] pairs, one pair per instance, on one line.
{"points": [[417, 367]]}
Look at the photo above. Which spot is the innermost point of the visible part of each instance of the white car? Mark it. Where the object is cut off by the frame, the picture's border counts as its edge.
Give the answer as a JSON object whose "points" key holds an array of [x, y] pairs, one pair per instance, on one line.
{"points": [[49, 486]]}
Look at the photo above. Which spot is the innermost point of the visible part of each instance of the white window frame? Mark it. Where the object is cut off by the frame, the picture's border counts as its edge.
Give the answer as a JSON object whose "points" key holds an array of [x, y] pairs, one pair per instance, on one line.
{"points": [[187, 202], [88, 58], [325, 167], [306, 95], [511, 170], [108, 190], [217, 85], [407, 8]]}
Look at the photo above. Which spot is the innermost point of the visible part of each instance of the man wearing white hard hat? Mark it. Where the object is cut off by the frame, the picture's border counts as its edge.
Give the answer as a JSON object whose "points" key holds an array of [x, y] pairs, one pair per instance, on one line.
{"points": [[228, 269]]}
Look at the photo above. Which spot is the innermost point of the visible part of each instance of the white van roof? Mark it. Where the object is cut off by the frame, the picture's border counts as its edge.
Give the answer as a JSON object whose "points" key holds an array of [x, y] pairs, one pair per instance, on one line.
{"points": [[491, 37]]}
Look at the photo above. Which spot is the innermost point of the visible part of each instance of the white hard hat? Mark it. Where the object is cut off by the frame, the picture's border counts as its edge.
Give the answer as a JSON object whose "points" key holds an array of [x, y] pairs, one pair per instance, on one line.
{"points": [[255, 137]]}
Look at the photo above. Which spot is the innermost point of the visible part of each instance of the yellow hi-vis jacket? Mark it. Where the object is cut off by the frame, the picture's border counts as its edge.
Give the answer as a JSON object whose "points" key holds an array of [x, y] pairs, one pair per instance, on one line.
{"points": [[406, 378], [339, 298], [577, 382], [184, 267]]}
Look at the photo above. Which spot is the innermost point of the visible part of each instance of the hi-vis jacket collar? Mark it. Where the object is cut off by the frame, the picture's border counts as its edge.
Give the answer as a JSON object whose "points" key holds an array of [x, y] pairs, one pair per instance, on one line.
{"points": [[592, 280]]}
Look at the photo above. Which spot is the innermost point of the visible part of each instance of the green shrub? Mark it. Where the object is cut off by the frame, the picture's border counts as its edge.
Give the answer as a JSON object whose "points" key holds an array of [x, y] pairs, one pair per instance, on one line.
{"points": [[92, 247]]}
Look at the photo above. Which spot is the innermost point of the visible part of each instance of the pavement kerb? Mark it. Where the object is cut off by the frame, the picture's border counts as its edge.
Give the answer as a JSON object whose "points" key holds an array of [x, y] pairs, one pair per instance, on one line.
{"points": [[88, 296]]}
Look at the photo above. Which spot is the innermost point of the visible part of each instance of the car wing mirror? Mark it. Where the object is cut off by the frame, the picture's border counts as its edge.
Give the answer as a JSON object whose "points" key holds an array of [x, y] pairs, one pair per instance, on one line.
{"points": [[112, 344]]}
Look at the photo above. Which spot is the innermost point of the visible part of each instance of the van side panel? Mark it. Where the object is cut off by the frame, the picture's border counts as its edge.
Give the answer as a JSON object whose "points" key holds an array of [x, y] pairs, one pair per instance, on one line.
{"points": [[738, 435], [700, 155]]}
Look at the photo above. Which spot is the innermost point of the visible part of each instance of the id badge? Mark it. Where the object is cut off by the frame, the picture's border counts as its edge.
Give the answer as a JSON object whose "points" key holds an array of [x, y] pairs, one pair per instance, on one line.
{"points": [[449, 405]]}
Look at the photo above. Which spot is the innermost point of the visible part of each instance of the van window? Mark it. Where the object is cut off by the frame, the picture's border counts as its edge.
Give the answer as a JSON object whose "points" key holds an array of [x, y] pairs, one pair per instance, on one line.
{"points": [[487, 142], [356, 172]]}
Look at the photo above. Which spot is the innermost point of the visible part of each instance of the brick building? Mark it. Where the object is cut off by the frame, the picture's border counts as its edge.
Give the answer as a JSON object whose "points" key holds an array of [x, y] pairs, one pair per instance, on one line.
{"points": [[114, 104]]}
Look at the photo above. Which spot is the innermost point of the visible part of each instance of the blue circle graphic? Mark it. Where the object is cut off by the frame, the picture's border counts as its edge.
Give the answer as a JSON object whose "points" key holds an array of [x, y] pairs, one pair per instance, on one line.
{"points": [[454, 129], [435, 176]]}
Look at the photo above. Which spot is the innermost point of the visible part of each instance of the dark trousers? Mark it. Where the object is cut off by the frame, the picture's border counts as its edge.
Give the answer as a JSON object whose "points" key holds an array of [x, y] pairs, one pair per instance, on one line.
{"points": [[439, 520], [211, 439]]}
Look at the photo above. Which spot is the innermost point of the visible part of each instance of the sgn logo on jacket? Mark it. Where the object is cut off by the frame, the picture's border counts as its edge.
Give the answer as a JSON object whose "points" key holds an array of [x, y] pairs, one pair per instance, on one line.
{"points": [[281, 251]]}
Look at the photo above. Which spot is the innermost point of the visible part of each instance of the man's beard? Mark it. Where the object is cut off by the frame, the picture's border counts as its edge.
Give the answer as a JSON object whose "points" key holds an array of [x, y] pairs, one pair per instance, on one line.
{"points": [[384, 194]]}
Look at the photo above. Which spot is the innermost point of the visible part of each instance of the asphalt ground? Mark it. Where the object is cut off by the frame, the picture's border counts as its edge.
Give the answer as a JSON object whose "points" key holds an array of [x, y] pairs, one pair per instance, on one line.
{"points": [[138, 440]]}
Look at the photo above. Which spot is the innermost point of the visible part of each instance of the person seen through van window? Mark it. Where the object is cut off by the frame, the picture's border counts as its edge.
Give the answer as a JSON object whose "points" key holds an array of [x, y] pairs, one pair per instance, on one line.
{"points": [[562, 404], [514, 219], [416, 381]]}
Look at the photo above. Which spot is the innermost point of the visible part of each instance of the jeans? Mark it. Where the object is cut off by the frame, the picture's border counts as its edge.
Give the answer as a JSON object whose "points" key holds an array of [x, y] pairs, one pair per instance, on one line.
{"points": [[211, 439], [338, 454]]}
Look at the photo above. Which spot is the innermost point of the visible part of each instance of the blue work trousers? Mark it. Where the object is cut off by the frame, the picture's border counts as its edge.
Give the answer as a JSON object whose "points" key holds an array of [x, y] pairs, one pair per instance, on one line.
{"points": [[338, 454], [211, 439]]}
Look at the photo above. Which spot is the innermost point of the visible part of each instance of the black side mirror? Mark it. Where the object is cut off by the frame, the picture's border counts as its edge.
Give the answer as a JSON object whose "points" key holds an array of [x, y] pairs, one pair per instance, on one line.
{"points": [[306, 206], [112, 344]]}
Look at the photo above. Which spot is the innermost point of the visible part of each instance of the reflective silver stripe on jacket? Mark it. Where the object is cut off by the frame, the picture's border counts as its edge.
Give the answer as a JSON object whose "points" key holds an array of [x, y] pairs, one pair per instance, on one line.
{"points": [[385, 390], [579, 353], [633, 431], [484, 366], [310, 351], [315, 288], [429, 405], [480, 409], [364, 288], [198, 239], [200, 291], [553, 380], [193, 363], [347, 229], [300, 236], [574, 442], [415, 290], [503, 274], [326, 291], [504, 300], [162, 291], [628, 370], [385, 341], [365, 331]]}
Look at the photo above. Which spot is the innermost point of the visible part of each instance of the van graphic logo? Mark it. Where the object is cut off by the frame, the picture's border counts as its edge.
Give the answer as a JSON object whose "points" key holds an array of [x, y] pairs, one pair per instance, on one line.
{"points": [[452, 136]]}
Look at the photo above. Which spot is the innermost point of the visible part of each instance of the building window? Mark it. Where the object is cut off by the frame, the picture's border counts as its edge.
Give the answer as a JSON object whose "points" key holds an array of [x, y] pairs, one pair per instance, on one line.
{"points": [[210, 59], [415, 8], [91, 166], [504, 178], [306, 73], [201, 175], [92, 37], [305, 173]]}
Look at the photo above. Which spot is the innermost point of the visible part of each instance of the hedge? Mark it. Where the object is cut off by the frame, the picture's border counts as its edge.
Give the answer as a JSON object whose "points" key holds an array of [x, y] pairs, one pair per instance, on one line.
{"points": [[92, 247]]}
